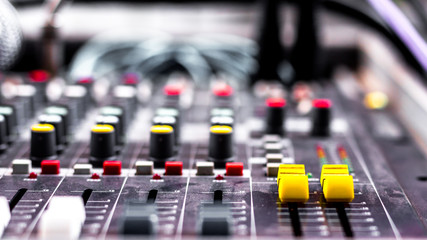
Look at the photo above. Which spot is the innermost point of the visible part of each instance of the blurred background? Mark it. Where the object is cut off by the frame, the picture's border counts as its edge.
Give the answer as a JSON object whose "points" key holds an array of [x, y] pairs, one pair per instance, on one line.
{"points": [[76, 22]]}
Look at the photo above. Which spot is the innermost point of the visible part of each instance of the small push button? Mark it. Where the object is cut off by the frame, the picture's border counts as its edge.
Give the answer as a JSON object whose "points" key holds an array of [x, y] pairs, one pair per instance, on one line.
{"points": [[50, 167], [234, 169], [21, 166], [205, 168], [173, 168], [112, 168], [144, 167], [82, 169]]}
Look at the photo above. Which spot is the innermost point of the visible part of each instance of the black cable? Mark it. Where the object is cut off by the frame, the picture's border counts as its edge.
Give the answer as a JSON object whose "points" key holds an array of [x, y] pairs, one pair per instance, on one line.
{"points": [[200, 57], [366, 19]]}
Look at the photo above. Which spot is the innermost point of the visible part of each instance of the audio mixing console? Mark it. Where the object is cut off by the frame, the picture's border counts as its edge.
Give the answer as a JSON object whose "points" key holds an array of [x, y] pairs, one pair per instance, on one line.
{"points": [[265, 164], [194, 125]]}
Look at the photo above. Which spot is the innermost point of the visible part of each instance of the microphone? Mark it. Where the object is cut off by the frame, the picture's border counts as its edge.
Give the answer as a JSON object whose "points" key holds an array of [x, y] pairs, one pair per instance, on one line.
{"points": [[10, 35]]}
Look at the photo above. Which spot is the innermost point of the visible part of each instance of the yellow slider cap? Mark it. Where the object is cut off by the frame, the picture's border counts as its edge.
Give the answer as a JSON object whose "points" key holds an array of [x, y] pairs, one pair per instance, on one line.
{"points": [[337, 183], [42, 127], [291, 169], [292, 183], [220, 129], [333, 169], [161, 129], [102, 128]]}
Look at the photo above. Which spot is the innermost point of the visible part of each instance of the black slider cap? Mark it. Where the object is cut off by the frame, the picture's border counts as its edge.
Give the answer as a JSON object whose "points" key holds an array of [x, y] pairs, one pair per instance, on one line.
{"points": [[139, 219], [215, 220]]}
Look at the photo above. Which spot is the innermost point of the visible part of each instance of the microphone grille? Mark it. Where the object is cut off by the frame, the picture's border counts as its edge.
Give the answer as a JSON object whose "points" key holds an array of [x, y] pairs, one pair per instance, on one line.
{"points": [[10, 34]]}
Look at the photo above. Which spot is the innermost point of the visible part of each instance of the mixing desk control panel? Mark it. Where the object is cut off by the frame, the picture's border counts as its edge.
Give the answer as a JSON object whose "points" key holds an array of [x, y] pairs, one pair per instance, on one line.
{"points": [[219, 161]]}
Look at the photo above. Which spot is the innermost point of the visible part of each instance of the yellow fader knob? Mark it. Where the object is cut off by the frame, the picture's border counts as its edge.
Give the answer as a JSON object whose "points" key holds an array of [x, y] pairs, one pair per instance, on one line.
{"points": [[337, 183], [292, 183]]}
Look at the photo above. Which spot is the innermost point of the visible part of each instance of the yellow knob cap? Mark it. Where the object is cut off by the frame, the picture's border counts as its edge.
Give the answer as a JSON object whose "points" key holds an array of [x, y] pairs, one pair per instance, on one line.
{"points": [[220, 129], [42, 127], [102, 128], [161, 129]]}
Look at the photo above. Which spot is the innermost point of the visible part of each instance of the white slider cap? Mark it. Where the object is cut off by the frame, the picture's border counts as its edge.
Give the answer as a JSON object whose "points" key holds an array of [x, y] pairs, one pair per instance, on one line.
{"points": [[63, 219], [4, 213]]}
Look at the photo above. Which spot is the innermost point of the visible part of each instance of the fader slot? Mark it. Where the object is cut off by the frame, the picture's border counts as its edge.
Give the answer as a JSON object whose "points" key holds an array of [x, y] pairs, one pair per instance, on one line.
{"points": [[86, 195], [218, 197], [152, 195], [295, 219], [15, 199], [345, 223]]}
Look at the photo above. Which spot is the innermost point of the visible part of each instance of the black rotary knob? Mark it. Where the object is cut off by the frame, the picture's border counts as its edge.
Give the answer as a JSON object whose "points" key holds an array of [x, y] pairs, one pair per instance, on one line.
{"points": [[3, 137], [102, 143], [126, 96], [56, 122], [43, 143], [275, 116], [222, 120], [170, 121], [161, 143], [118, 112], [172, 112], [67, 118], [76, 94], [11, 121], [115, 122], [321, 117], [221, 144]]}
